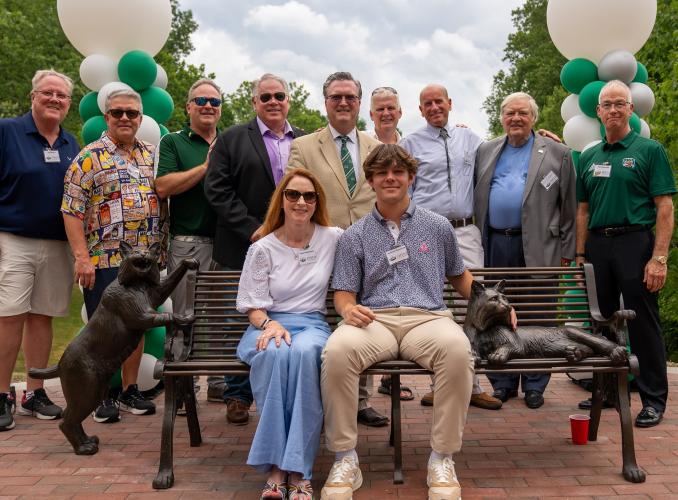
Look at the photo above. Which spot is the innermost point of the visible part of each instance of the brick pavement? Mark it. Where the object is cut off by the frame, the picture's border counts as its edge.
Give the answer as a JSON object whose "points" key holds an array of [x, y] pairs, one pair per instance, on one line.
{"points": [[514, 452]]}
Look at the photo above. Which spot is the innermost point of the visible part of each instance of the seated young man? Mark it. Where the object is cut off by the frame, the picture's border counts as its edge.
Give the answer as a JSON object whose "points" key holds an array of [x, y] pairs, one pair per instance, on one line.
{"points": [[389, 272]]}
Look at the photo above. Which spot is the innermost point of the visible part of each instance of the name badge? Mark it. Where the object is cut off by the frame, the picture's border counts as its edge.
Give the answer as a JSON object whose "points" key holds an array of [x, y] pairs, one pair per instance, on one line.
{"points": [[307, 257], [549, 180], [51, 156], [133, 171], [603, 170], [397, 254]]}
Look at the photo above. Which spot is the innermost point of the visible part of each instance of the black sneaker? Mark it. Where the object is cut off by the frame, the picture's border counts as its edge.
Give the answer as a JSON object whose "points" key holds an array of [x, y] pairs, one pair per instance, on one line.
{"points": [[107, 412], [6, 409], [39, 405], [132, 401]]}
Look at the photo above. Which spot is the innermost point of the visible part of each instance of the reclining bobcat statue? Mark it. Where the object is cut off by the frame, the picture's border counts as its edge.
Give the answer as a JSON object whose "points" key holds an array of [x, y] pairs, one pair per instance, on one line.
{"points": [[127, 309], [487, 327]]}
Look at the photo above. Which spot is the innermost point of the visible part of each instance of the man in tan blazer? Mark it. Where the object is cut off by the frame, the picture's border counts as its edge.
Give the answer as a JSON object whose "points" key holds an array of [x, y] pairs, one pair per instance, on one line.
{"points": [[335, 155]]}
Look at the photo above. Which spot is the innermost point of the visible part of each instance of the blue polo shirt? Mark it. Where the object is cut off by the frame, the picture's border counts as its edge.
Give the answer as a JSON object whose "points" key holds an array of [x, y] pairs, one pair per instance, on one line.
{"points": [[31, 188]]}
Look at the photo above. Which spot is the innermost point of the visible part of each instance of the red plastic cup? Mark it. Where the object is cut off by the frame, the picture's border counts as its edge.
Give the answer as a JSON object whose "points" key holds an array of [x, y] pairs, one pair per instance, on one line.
{"points": [[579, 425]]}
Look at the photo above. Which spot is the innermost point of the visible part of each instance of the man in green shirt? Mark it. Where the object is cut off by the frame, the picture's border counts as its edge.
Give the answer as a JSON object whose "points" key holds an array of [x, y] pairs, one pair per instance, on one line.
{"points": [[624, 188]]}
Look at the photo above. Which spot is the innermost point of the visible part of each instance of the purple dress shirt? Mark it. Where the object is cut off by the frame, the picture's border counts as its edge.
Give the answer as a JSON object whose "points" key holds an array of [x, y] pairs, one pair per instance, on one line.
{"points": [[278, 148]]}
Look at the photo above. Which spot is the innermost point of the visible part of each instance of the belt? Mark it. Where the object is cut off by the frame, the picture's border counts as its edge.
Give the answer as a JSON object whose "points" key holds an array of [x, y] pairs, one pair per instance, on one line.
{"points": [[617, 230], [193, 239], [508, 232], [467, 221]]}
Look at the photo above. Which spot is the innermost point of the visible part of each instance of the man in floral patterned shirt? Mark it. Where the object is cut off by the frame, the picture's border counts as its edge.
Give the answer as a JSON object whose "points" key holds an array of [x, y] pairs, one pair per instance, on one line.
{"points": [[109, 196]]}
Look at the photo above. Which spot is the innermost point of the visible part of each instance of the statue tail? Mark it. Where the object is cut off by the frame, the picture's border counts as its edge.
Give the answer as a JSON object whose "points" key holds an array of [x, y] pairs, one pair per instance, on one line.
{"points": [[44, 373]]}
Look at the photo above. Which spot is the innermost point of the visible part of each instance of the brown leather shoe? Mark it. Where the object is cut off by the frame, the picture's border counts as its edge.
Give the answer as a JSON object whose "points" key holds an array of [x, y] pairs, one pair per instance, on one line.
{"points": [[427, 399], [485, 401], [237, 412]]}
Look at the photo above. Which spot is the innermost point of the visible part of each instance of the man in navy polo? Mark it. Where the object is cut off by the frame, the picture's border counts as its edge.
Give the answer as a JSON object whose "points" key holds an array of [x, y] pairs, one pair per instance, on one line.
{"points": [[36, 266]]}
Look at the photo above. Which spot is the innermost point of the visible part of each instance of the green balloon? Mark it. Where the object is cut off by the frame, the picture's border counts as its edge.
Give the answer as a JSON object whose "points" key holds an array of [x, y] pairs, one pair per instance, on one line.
{"points": [[641, 74], [577, 73], [634, 122], [88, 107], [137, 69], [92, 129], [154, 342], [588, 98], [163, 130], [157, 103]]}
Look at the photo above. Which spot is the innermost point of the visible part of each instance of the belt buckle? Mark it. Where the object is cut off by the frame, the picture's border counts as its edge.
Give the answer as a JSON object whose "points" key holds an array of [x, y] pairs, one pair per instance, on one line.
{"points": [[609, 231]]}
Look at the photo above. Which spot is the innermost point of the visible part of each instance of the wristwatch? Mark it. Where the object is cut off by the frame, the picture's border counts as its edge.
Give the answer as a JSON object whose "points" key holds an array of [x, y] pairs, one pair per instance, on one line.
{"points": [[662, 259]]}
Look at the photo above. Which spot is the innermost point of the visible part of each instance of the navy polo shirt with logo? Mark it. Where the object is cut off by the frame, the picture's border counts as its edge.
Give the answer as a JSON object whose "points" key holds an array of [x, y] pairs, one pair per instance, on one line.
{"points": [[31, 188]]}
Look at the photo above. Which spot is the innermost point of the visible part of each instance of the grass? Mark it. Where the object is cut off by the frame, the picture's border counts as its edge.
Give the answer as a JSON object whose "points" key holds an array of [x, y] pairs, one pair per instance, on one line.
{"points": [[64, 330]]}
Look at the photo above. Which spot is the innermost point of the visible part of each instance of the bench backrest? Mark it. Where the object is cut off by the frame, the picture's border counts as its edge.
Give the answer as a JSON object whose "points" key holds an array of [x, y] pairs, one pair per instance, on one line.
{"points": [[540, 296]]}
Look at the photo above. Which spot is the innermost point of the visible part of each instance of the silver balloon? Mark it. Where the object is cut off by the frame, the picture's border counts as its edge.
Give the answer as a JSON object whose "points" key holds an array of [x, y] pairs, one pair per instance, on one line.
{"points": [[644, 129], [570, 107], [643, 98], [617, 65], [580, 131]]}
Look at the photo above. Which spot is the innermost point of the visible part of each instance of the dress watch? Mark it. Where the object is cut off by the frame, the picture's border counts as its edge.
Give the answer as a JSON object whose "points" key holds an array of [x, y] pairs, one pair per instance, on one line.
{"points": [[662, 259]]}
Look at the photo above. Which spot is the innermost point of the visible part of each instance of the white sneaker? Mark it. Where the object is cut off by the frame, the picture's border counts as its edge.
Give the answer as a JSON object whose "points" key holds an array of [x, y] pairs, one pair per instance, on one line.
{"points": [[442, 480], [344, 478]]}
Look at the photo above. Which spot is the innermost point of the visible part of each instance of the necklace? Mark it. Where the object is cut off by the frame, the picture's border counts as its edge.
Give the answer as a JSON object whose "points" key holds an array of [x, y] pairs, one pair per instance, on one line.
{"points": [[296, 250]]}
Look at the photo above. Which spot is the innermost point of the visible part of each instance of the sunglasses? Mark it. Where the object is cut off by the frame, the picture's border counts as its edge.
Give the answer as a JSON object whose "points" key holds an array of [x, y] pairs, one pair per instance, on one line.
{"points": [[293, 196], [117, 113], [279, 96], [350, 99], [202, 101]]}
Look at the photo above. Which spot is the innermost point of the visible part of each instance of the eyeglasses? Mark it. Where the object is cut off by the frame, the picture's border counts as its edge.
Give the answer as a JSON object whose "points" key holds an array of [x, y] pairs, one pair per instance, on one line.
{"points": [[350, 99], [607, 106], [48, 94], [389, 89], [293, 196], [202, 101], [278, 96], [117, 113]]}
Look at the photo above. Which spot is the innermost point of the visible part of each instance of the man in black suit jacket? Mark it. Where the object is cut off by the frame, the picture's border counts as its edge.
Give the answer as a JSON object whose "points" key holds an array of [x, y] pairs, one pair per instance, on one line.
{"points": [[245, 165]]}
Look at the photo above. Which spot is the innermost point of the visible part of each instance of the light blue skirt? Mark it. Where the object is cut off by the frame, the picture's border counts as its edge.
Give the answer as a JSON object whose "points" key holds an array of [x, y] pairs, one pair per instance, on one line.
{"points": [[286, 386]]}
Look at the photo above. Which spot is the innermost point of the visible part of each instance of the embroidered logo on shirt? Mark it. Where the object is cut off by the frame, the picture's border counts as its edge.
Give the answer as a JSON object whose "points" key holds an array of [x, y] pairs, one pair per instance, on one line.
{"points": [[629, 162], [423, 248]]}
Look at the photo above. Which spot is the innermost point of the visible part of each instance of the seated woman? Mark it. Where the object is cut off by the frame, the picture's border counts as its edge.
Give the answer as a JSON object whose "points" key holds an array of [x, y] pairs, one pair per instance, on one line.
{"points": [[283, 287]]}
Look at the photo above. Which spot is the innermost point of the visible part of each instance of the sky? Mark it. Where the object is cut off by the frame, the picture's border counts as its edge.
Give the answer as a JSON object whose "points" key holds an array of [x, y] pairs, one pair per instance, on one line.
{"points": [[399, 43]]}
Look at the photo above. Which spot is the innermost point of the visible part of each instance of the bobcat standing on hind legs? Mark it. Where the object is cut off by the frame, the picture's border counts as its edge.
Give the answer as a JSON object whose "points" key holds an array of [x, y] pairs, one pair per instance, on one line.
{"points": [[127, 310]]}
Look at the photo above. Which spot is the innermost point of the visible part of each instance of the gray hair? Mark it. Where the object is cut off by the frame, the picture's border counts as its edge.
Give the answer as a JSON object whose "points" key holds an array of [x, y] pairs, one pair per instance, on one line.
{"points": [[384, 92], [268, 76], [517, 96], [41, 74], [341, 76], [198, 83], [616, 84], [131, 94]]}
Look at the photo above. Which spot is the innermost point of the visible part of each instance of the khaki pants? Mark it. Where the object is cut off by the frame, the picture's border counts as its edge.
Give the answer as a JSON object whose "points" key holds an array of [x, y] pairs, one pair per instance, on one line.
{"points": [[430, 338]]}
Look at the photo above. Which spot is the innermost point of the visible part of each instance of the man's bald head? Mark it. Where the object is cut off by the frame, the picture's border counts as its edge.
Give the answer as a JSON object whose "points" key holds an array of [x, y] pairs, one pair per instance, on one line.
{"points": [[435, 104]]}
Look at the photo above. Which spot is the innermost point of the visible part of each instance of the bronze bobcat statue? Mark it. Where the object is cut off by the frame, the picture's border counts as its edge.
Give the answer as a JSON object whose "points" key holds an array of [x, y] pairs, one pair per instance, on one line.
{"points": [[487, 327], [127, 309]]}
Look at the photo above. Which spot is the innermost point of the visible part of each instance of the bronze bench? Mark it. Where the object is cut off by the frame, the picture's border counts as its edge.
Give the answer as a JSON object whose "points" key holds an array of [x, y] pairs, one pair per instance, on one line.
{"points": [[544, 296]]}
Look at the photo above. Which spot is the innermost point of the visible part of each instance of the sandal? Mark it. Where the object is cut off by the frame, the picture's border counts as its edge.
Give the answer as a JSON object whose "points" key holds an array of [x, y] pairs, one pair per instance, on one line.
{"points": [[279, 489], [300, 491], [385, 388]]}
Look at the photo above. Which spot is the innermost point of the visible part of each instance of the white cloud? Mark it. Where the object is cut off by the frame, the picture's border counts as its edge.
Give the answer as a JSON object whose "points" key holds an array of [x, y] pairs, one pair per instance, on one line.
{"points": [[392, 42]]}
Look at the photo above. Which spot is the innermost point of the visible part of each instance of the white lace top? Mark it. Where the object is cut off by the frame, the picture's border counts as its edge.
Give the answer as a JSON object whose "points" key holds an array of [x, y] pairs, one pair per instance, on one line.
{"points": [[276, 278]]}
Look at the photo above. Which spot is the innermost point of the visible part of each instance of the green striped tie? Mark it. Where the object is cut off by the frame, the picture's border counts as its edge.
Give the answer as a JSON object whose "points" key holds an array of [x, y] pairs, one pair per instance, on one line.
{"points": [[347, 163]]}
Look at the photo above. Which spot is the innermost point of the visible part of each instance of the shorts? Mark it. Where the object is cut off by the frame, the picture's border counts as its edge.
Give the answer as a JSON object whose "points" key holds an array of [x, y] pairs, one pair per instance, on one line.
{"points": [[36, 276]]}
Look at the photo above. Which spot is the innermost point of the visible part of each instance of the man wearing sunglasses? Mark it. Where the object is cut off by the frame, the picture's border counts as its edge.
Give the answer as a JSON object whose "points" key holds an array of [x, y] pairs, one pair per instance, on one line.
{"points": [[109, 196], [36, 267], [335, 154], [245, 165]]}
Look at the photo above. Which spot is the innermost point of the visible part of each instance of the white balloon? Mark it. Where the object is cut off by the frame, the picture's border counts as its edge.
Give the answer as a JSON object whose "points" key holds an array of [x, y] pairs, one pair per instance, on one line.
{"points": [[591, 29], [570, 107], [591, 144], [644, 129], [107, 89], [642, 97], [97, 70], [149, 131], [83, 314], [617, 65], [114, 27], [145, 380], [161, 79], [580, 130]]}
